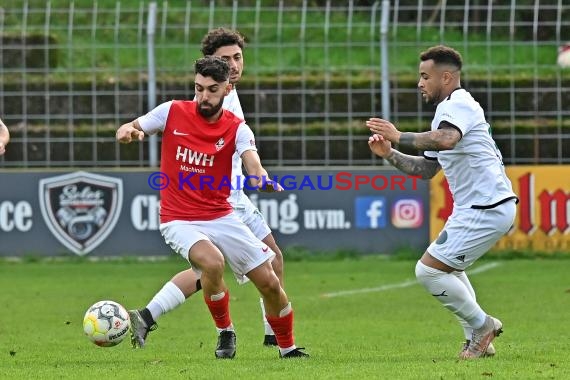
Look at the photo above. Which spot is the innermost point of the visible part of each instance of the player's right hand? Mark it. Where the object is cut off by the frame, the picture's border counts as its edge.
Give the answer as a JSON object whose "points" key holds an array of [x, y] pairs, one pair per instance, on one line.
{"points": [[270, 186], [127, 133]]}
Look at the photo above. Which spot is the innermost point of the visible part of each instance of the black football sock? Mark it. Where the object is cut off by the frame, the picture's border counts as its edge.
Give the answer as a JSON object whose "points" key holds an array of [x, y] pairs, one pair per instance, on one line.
{"points": [[147, 317]]}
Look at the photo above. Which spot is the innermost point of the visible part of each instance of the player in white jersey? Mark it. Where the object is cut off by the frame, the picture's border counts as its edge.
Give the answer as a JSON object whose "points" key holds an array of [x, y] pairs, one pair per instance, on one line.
{"points": [[228, 45], [199, 140], [4, 137], [484, 203]]}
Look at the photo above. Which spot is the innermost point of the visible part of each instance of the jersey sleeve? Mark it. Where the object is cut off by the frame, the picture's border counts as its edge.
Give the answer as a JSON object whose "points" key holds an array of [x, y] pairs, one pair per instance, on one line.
{"points": [[245, 140], [457, 114], [430, 155], [232, 104], [155, 120]]}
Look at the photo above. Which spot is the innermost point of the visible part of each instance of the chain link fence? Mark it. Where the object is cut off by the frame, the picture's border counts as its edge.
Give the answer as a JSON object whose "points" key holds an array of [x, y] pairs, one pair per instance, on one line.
{"points": [[72, 71]]}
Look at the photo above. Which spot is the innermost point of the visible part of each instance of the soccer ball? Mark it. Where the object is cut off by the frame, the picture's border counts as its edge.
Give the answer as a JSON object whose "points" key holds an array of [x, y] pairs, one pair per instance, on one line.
{"points": [[106, 323], [564, 55]]}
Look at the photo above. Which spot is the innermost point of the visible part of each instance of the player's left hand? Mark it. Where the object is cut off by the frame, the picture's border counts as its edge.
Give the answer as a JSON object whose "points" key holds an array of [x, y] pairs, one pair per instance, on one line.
{"points": [[270, 186], [379, 145], [384, 128], [2, 148]]}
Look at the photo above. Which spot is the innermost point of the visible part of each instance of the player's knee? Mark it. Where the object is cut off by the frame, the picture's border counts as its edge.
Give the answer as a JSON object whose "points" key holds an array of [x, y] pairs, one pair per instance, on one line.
{"points": [[422, 273], [277, 264], [214, 266], [269, 285], [278, 253], [430, 278]]}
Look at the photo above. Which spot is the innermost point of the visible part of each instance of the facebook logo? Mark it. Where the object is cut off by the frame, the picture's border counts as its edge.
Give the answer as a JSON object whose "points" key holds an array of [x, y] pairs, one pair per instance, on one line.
{"points": [[370, 212]]}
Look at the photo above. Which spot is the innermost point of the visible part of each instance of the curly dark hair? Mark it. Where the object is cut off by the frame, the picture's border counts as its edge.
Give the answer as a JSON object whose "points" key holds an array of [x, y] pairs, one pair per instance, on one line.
{"points": [[216, 38], [442, 54], [213, 67]]}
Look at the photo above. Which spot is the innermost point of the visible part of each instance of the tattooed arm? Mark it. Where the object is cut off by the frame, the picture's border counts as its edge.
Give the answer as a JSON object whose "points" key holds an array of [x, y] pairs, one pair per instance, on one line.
{"points": [[412, 165], [444, 138]]}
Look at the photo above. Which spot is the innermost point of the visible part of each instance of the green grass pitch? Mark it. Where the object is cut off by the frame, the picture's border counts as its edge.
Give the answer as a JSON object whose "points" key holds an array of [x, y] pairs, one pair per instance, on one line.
{"points": [[393, 330]]}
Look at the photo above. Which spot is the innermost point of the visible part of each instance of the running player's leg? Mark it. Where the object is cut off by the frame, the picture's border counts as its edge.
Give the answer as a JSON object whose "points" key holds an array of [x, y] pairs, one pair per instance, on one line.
{"points": [[467, 329], [192, 240], [277, 265], [249, 258], [254, 220], [279, 312], [169, 297], [438, 280], [467, 235], [208, 258], [454, 296]]}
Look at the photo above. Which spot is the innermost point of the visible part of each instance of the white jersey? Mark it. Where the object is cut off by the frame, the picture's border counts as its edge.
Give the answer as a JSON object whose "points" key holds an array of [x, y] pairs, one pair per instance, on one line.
{"points": [[232, 104], [474, 168]]}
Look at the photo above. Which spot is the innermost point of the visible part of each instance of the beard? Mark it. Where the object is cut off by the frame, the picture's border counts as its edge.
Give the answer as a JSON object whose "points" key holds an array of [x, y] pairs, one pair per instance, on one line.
{"points": [[211, 111], [434, 99]]}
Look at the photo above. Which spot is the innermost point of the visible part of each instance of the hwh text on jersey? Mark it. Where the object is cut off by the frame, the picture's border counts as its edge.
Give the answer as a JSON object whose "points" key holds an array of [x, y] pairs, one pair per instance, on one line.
{"points": [[194, 158]]}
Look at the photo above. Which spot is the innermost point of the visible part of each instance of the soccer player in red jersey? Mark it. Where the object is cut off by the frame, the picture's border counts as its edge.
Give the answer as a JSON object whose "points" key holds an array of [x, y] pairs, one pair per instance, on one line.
{"points": [[228, 45], [199, 139]]}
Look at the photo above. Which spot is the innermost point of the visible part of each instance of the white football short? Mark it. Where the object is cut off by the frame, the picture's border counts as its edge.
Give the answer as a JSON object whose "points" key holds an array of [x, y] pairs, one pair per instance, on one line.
{"points": [[469, 233], [249, 214], [241, 249]]}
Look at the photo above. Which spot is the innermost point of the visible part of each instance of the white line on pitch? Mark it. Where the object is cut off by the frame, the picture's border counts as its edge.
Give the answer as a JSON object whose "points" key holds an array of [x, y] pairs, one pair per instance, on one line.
{"points": [[404, 284]]}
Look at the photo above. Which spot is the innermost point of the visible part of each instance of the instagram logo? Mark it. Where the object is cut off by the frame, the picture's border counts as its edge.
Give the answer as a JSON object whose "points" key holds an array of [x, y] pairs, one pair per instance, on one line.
{"points": [[407, 213]]}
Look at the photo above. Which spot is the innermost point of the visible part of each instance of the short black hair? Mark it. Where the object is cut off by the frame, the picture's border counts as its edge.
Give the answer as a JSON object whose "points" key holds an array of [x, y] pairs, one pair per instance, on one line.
{"points": [[442, 54], [216, 38], [213, 67]]}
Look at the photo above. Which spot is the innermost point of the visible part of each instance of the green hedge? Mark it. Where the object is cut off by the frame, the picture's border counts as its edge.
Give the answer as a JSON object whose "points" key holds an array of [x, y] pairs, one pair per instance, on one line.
{"points": [[344, 141], [31, 51], [262, 97]]}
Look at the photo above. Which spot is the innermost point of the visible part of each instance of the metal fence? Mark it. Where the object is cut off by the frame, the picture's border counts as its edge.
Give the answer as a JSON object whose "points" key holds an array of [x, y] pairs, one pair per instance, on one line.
{"points": [[73, 71]]}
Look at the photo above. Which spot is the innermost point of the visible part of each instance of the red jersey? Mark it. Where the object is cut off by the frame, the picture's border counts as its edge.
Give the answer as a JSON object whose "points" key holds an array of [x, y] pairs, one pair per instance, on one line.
{"points": [[197, 158]]}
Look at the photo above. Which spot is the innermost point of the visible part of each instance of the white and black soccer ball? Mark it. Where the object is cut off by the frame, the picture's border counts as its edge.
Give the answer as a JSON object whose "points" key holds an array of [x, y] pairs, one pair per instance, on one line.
{"points": [[106, 323], [564, 55]]}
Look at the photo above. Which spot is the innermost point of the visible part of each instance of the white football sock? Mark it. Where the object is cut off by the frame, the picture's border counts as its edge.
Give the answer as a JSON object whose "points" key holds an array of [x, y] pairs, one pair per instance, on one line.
{"points": [[167, 298], [266, 325], [285, 351], [229, 328], [286, 310], [452, 293], [217, 297], [462, 276]]}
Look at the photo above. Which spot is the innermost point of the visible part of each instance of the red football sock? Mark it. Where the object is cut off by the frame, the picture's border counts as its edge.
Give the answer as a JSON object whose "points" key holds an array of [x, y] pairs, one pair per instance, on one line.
{"points": [[283, 329], [220, 310]]}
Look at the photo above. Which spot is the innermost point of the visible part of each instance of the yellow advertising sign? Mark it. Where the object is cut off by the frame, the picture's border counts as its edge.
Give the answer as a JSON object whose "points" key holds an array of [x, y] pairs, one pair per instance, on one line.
{"points": [[543, 212]]}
